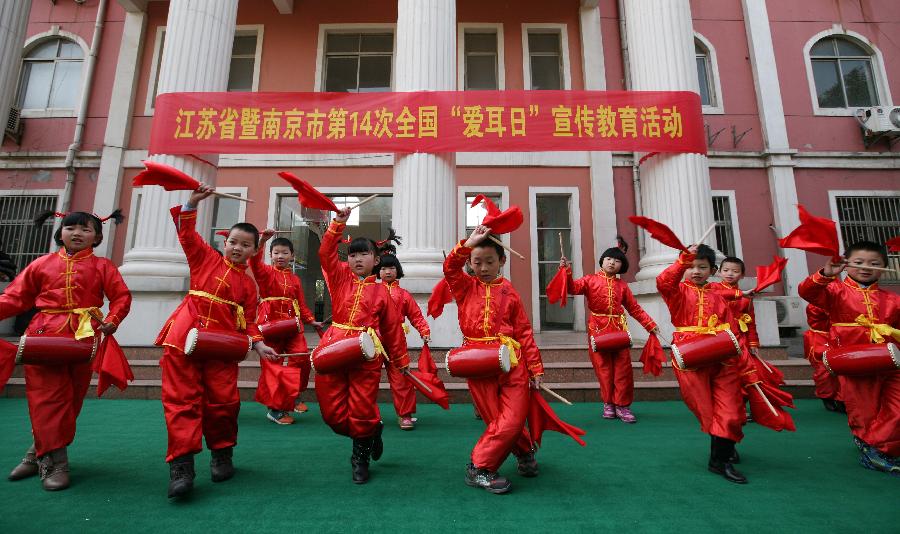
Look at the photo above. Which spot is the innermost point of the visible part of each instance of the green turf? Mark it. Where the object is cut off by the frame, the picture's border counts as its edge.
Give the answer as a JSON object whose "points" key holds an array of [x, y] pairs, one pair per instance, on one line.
{"points": [[646, 477]]}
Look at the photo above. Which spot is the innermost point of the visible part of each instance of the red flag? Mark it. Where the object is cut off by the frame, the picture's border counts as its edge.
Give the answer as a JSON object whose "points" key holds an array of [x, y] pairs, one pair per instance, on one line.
{"points": [[893, 244], [659, 232], [558, 288], [762, 411], [505, 221], [767, 275], [278, 386], [224, 233], [489, 205], [307, 195], [440, 296], [815, 234], [653, 356], [767, 371], [7, 361], [541, 417], [427, 373], [111, 366], [170, 178]]}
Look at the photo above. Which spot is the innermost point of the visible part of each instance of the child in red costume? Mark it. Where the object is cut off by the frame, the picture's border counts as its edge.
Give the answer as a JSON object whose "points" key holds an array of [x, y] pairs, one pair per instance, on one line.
{"points": [[404, 394], [359, 304], [861, 313], [713, 393], [815, 343], [200, 398], [67, 287], [281, 297], [608, 298], [490, 311], [731, 271]]}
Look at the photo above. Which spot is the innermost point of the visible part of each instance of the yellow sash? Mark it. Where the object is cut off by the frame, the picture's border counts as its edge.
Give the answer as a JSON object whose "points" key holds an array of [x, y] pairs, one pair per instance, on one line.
{"points": [[510, 343], [293, 301], [623, 321], [712, 327], [379, 348], [238, 309], [743, 321], [877, 331], [85, 328], [405, 328]]}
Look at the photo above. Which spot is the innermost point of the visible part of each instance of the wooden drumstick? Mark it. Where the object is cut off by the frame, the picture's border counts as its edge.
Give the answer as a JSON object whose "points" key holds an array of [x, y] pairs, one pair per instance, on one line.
{"points": [[763, 395], [495, 240], [363, 201], [562, 253], [415, 379], [293, 354], [555, 394], [706, 233], [763, 362], [229, 195]]}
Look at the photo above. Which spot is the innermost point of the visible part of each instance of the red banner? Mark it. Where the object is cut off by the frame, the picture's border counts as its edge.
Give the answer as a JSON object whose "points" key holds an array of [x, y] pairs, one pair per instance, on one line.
{"points": [[443, 121]]}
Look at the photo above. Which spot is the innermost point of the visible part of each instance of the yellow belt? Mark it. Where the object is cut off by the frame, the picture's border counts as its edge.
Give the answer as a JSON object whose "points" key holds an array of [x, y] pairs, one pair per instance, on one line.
{"points": [[712, 327], [623, 321], [85, 328], [293, 301], [743, 321], [238, 309], [510, 343], [877, 331], [379, 348], [405, 328]]}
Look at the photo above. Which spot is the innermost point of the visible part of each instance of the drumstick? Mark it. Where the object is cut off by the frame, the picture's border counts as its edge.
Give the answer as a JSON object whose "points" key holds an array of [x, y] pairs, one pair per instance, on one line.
{"points": [[562, 254], [706, 233], [763, 362], [363, 201], [555, 394], [495, 240], [763, 395], [415, 379], [293, 354], [229, 195]]}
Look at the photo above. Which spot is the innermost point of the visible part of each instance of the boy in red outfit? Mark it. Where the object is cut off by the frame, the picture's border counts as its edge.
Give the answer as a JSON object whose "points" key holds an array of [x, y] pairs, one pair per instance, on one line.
{"points": [[490, 311], [200, 398], [348, 398], [862, 313], [815, 343]]}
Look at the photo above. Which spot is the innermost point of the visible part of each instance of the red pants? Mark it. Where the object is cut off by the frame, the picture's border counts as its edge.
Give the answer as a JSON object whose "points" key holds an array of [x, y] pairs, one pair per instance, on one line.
{"points": [[827, 385], [55, 394], [873, 410], [614, 373], [199, 399], [292, 346], [715, 396], [502, 402], [402, 391], [348, 399]]}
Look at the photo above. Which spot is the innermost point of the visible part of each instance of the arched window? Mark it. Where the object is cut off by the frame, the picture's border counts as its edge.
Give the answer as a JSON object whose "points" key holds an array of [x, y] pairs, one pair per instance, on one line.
{"points": [[843, 73], [51, 75], [708, 75]]}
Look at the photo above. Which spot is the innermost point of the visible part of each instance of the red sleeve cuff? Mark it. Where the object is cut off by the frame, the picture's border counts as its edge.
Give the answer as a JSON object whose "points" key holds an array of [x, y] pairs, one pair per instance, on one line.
{"points": [[336, 227], [686, 258], [821, 279]]}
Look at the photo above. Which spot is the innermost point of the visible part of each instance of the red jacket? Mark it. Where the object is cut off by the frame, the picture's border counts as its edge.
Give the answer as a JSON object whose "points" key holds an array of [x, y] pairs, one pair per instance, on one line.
{"points": [[213, 274], [490, 309], [741, 309], [359, 302], [608, 297], [408, 307], [280, 291], [855, 312], [58, 281]]}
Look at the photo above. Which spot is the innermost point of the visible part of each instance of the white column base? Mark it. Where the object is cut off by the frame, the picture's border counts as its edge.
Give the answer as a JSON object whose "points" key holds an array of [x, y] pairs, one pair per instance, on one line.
{"points": [[149, 312]]}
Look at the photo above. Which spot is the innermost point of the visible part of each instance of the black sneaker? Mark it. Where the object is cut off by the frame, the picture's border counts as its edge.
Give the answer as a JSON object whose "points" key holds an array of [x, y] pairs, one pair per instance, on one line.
{"points": [[221, 467], [181, 476], [488, 480], [526, 465]]}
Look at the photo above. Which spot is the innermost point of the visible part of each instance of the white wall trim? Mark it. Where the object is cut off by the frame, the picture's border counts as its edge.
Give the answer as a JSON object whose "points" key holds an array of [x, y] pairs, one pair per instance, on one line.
{"points": [[461, 52], [259, 30], [576, 259], [878, 70], [735, 223], [563, 31], [461, 192], [718, 106], [363, 27], [832, 204]]}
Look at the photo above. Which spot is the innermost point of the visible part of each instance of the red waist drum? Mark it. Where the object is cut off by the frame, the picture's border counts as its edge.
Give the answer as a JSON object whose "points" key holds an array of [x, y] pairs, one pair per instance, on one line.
{"points": [[204, 345], [703, 350], [55, 350], [612, 340], [281, 329], [863, 359], [478, 361], [343, 353]]}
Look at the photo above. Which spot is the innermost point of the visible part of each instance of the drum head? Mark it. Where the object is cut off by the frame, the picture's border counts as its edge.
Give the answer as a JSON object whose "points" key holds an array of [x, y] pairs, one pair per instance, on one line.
{"points": [[505, 364], [895, 354], [190, 342], [367, 344]]}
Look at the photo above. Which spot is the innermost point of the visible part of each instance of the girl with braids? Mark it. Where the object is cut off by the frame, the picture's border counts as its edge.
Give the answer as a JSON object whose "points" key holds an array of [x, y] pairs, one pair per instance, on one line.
{"points": [[67, 287]]}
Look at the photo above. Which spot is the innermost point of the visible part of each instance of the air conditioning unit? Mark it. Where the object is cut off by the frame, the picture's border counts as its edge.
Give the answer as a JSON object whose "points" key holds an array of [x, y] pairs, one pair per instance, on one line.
{"points": [[790, 311], [14, 125], [877, 123]]}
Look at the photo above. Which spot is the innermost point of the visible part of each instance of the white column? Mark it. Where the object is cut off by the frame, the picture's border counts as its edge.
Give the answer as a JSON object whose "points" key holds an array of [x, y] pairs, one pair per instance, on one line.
{"points": [[779, 163], [675, 189], [13, 23], [424, 203], [196, 57]]}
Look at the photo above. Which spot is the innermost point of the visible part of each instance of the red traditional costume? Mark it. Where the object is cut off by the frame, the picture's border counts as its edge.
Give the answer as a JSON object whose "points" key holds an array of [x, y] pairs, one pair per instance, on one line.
{"points": [[348, 398], [281, 298], [815, 343], [712, 392], [863, 315], [608, 297], [402, 391], [68, 292], [201, 397], [493, 313], [742, 310]]}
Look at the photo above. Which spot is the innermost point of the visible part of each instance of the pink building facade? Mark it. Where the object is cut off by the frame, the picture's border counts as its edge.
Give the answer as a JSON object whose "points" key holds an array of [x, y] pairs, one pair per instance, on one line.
{"points": [[781, 84]]}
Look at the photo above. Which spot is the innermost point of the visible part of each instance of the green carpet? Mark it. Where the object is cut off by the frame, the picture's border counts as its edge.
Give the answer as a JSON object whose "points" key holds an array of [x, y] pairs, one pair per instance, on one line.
{"points": [[648, 477]]}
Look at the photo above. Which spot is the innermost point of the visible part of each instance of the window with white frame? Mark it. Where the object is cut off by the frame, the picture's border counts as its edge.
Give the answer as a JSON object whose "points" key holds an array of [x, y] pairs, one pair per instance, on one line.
{"points": [[476, 214], [545, 59], [358, 62], [705, 74], [842, 70], [481, 59], [51, 75], [226, 213], [19, 237], [871, 218], [722, 216], [554, 223]]}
